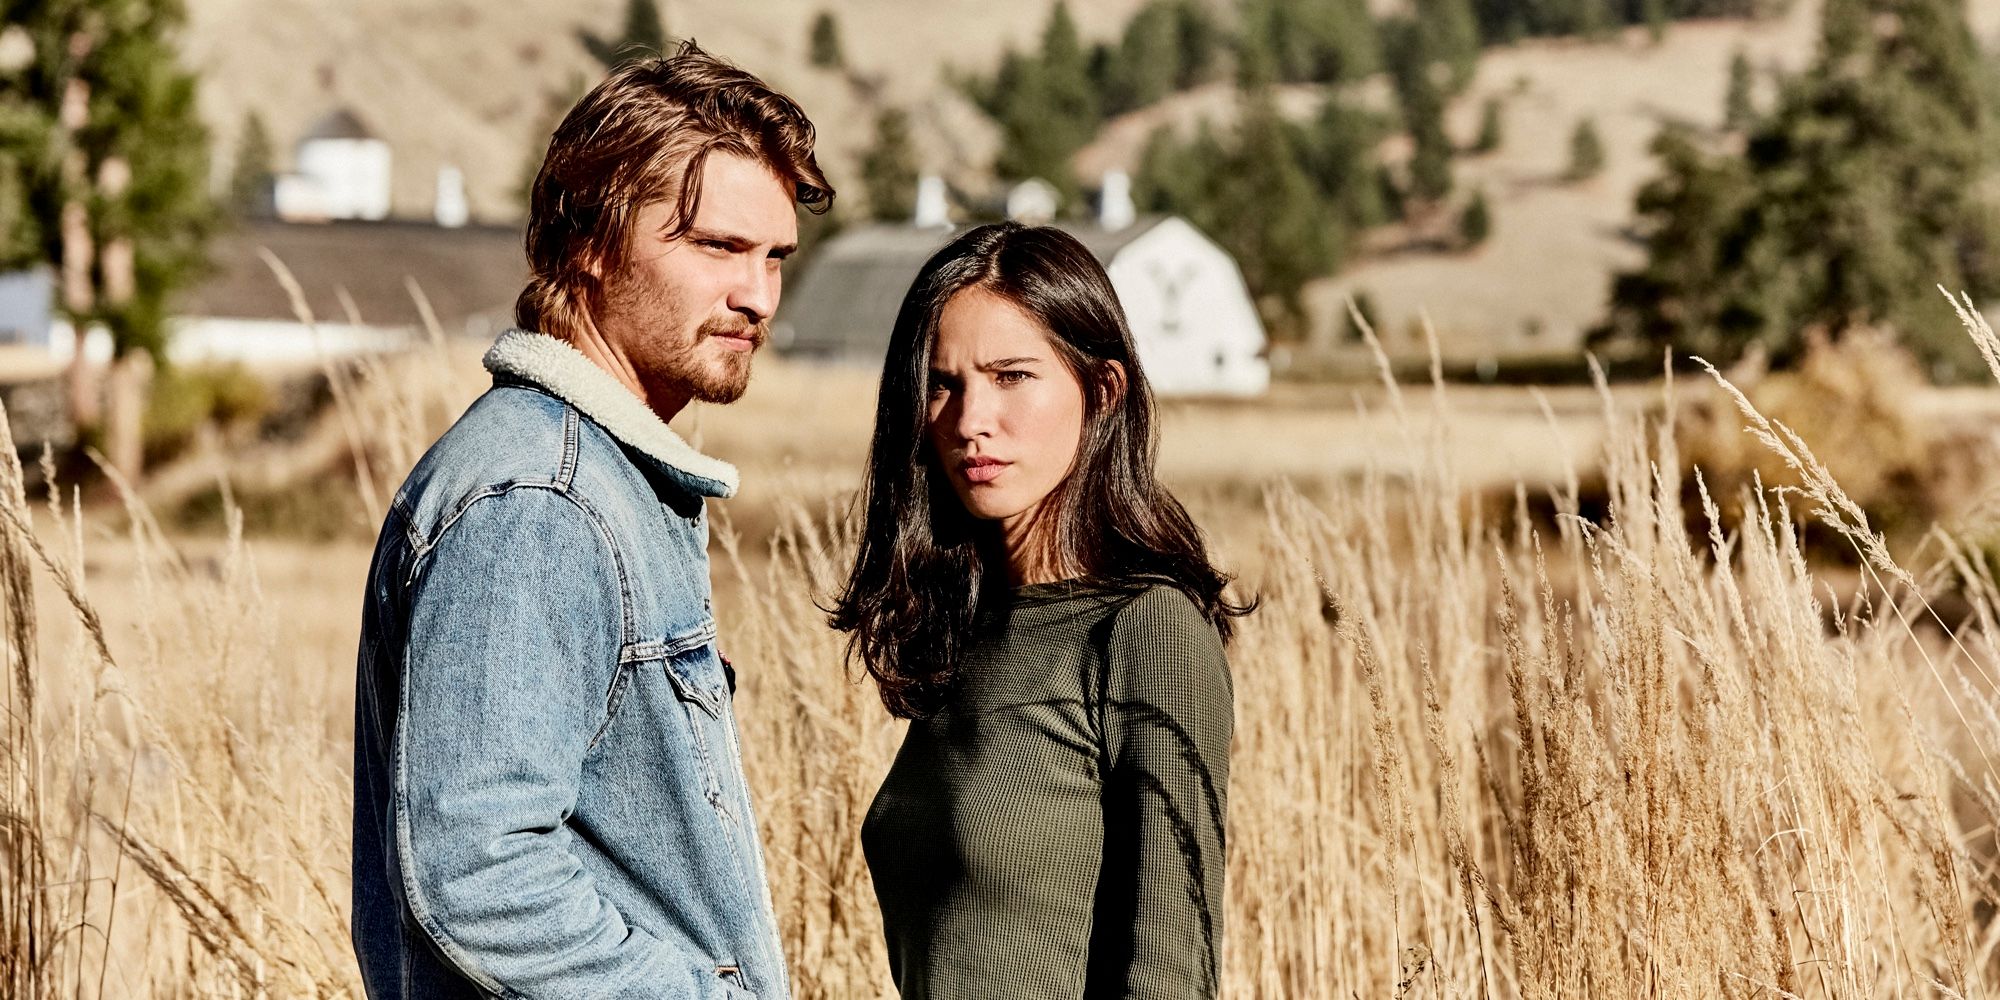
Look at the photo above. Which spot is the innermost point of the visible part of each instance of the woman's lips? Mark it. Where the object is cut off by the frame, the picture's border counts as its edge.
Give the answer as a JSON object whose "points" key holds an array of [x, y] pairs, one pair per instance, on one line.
{"points": [[982, 470]]}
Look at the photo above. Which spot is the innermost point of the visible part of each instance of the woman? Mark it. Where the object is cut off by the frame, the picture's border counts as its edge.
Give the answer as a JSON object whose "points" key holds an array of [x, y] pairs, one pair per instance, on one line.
{"points": [[1045, 614]]}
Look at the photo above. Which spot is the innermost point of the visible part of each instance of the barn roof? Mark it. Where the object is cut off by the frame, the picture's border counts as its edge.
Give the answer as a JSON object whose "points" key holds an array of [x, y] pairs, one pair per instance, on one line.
{"points": [[340, 123], [846, 302], [464, 272]]}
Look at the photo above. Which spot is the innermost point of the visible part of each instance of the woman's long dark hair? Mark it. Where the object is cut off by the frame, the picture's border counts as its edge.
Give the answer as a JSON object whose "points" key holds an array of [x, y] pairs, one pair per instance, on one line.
{"points": [[924, 563]]}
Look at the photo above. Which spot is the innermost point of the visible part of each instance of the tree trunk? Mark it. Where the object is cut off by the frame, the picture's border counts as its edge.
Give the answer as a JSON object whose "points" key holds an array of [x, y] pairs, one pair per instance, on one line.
{"points": [[78, 296], [125, 417]]}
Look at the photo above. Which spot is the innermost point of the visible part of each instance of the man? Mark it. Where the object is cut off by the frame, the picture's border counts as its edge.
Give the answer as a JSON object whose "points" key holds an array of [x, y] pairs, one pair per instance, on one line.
{"points": [[549, 800]]}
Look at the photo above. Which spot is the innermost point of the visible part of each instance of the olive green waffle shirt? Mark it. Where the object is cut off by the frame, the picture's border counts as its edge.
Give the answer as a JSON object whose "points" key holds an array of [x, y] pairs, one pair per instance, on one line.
{"points": [[1056, 829]]}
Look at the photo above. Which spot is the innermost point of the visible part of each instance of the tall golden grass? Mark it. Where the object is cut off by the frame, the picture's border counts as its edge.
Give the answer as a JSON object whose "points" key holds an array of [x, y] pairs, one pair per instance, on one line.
{"points": [[1478, 754]]}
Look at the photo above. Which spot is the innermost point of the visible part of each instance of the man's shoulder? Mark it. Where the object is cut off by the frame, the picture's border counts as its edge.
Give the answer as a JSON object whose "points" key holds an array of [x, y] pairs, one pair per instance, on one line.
{"points": [[511, 437]]}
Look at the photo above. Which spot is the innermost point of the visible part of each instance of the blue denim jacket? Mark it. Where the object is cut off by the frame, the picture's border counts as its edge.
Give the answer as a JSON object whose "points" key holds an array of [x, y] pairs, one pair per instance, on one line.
{"points": [[548, 796]]}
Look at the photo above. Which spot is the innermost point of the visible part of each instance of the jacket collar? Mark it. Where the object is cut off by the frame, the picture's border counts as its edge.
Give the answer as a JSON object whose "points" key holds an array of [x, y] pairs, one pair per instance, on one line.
{"points": [[564, 372]]}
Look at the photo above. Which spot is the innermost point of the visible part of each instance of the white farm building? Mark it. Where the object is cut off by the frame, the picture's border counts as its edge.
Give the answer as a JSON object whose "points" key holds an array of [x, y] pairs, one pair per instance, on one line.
{"points": [[1191, 315]]}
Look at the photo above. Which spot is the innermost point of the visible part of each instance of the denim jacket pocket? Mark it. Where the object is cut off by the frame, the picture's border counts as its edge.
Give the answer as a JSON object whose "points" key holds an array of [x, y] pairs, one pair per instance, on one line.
{"points": [[733, 986], [695, 671]]}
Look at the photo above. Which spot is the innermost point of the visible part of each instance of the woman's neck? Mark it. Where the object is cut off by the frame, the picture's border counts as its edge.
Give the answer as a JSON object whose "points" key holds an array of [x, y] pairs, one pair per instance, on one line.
{"points": [[1031, 553]]}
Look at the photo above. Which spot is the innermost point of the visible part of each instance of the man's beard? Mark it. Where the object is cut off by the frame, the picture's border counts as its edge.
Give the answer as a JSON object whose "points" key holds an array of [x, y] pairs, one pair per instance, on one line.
{"points": [[676, 368], [725, 383]]}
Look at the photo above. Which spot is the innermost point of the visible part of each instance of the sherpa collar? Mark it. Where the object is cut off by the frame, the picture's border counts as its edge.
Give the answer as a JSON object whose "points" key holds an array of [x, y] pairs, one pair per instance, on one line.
{"points": [[575, 379]]}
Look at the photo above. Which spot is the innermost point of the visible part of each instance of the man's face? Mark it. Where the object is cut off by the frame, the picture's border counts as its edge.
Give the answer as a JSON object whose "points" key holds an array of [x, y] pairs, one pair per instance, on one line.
{"points": [[687, 313]]}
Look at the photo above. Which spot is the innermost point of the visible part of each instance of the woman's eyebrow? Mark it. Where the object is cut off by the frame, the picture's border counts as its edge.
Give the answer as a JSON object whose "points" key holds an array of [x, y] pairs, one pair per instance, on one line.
{"points": [[999, 363]]}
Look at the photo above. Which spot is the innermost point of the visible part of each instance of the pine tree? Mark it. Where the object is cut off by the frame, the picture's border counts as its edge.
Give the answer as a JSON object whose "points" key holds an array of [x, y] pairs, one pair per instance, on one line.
{"points": [[644, 36], [1046, 107], [1270, 218], [1489, 127], [1300, 41], [1654, 14], [826, 50], [123, 210], [26, 131], [1476, 222], [1860, 190], [250, 177], [1737, 111], [1255, 196], [1179, 178], [1197, 39], [1338, 152], [1411, 71], [1680, 296], [1451, 37], [1146, 64], [1586, 151], [889, 168]]}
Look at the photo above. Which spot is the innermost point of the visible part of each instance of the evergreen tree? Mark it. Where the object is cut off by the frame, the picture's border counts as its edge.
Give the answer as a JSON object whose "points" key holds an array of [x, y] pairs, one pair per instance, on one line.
{"points": [[1299, 41], [889, 168], [1197, 40], [1337, 150], [1179, 178], [826, 50], [1489, 127], [250, 178], [1411, 70], [1679, 296], [1654, 14], [120, 198], [1476, 222], [1737, 111], [1271, 219], [1146, 64], [1046, 107], [1859, 191], [1255, 197], [644, 36], [26, 134], [1450, 36], [1586, 151]]}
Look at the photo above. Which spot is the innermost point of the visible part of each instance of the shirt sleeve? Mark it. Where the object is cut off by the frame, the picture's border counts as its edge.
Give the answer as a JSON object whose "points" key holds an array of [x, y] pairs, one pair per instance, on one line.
{"points": [[515, 632], [1168, 719]]}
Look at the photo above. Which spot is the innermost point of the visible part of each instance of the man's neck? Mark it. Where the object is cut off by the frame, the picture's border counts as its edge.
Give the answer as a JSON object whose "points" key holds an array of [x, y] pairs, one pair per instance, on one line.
{"points": [[591, 343]]}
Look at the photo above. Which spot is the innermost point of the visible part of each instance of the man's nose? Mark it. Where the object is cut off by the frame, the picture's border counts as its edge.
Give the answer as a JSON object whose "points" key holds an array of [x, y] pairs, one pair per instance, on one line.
{"points": [[756, 292]]}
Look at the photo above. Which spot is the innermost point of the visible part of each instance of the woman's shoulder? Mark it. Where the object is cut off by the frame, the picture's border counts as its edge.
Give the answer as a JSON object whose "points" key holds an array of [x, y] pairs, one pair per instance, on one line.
{"points": [[1160, 623], [1166, 655], [1154, 605]]}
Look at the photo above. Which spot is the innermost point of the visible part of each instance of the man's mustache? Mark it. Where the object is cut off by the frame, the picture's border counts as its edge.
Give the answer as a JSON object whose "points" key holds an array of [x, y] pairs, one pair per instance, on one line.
{"points": [[757, 332]]}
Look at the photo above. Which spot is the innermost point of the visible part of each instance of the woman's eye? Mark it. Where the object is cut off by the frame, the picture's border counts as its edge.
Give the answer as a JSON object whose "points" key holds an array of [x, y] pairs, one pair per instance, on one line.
{"points": [[1012, 377]]}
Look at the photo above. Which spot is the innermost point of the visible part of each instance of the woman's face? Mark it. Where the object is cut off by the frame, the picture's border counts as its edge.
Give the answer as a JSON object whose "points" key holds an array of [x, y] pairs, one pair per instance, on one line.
{"points": [[1005, 412]]}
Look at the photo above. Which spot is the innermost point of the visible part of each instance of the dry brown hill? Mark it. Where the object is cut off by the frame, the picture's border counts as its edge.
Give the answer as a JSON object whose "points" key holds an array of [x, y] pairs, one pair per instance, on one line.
{"points": [[1543, 276], [465, 82]]}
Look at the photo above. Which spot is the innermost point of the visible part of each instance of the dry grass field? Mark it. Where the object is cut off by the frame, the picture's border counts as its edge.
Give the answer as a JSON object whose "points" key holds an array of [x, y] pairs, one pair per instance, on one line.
{"points": [[1606, 735]]}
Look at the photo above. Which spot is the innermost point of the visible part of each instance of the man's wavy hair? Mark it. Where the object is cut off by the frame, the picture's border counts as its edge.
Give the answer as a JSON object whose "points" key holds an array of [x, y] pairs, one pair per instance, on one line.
{"points": [[925, 567], [642, 136]]}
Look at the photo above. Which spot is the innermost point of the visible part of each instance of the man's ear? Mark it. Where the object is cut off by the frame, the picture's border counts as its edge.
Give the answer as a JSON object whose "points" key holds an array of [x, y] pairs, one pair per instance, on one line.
{"points": [[1114, 382]]}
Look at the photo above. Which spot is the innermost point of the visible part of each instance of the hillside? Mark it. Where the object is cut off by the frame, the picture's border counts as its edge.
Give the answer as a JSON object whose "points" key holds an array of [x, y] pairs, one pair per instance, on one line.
{"points": [[452, 81], [466, 83]]}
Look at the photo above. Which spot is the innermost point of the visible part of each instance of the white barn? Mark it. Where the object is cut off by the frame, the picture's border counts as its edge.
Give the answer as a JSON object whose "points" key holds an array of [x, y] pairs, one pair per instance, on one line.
{"points": [[343, 173], [1192, 318]]}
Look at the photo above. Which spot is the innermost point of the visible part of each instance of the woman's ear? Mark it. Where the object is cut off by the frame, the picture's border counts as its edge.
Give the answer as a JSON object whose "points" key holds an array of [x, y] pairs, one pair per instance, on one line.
{"points": [[1114, 382]]}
